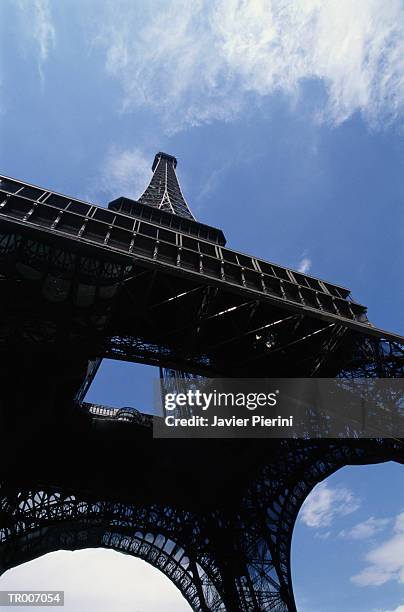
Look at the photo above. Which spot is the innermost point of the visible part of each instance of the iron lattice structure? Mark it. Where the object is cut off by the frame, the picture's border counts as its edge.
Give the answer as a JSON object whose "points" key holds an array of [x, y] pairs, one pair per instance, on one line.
{"points": [[164, 191], [143, 281]]}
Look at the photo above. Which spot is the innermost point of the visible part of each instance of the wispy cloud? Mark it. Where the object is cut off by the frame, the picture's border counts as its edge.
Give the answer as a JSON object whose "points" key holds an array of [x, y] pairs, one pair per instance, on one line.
{"points": [[201, 61], [324, 504], [125, 172], [385, 561], [40, 27], [304, 265], [366, 529], [400, 608], [214, 179], [322, 535]]}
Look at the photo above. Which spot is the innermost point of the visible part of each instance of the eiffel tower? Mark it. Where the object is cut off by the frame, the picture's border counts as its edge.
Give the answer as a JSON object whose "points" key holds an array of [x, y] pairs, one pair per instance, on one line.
{"points": [[143, 281]]}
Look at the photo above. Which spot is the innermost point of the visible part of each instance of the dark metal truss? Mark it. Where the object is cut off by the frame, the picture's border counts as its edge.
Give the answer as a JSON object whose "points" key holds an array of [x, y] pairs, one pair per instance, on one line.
{"points": [[164, 190], [234, 559], [81, 283], [112, 234]]}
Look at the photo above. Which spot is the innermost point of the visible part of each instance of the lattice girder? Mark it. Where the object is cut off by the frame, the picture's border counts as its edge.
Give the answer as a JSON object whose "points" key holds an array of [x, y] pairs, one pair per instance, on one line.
{"points": [[194, 548], [145, 282]]}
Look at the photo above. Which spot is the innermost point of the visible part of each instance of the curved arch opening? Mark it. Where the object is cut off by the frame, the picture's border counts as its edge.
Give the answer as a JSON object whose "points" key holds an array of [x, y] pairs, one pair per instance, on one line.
{"points": [[98, 580], [68, 524], [348, 542]]}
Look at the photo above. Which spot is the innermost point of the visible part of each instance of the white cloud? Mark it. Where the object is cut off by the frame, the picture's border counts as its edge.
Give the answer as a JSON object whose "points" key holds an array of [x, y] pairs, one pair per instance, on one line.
{"points": [[199, 61], [322, 536], [324, 504], [126, 172], [214, 179], [39, 25], [98, 580], [386, 561], [400, 608], [366, 529], [304, 265]]}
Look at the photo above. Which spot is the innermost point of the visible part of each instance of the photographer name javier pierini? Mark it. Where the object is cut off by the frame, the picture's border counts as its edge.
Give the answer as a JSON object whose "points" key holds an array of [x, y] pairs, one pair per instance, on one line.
{"points": [[191, 409]]}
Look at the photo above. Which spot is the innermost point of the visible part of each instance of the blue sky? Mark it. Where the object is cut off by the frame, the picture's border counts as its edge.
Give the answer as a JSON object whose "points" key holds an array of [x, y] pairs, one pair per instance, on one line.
{"points": [[287, 121]]}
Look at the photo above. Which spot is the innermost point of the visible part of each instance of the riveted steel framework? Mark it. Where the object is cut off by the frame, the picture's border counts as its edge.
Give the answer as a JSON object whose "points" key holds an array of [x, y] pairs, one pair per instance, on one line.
{"points": [[164, 190], [144, 282]]}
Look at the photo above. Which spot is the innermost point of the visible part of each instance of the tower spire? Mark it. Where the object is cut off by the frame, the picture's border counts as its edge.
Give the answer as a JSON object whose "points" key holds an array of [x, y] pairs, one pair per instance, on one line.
{"points": [[164, 190]]}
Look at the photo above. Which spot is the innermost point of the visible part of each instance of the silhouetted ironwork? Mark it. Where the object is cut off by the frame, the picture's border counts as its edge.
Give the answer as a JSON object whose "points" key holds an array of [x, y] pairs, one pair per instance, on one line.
{"points": [[143, 281], [164, 190]]}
